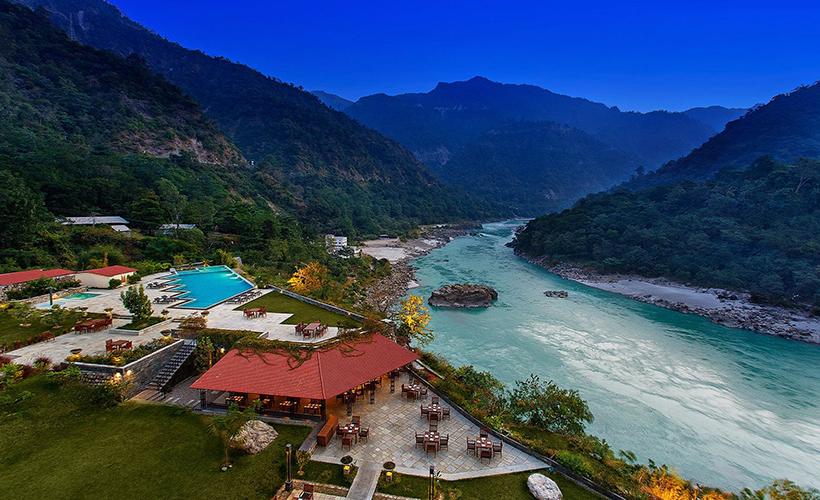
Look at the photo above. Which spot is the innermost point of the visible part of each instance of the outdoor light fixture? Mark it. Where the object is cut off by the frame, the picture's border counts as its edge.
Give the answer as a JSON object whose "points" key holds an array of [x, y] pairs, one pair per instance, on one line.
{"points": [[289, 481]]}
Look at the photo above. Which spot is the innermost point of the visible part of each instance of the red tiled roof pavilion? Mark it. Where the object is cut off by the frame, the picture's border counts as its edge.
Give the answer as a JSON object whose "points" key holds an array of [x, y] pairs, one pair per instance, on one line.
{"points": [[325, 374]]}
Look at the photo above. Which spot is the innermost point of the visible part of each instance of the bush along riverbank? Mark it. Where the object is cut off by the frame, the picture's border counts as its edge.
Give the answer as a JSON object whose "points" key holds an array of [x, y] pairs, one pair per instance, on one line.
{"points": [[551, 421]]}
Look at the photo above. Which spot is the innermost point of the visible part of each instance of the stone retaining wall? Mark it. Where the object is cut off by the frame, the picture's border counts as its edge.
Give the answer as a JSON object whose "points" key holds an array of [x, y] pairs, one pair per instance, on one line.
{"points": [[57, 295], [140, 372]]}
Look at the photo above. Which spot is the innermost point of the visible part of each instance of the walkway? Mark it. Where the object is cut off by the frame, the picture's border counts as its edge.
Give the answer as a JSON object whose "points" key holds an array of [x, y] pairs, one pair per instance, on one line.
{"points": [[393, 422], [365, 482]]}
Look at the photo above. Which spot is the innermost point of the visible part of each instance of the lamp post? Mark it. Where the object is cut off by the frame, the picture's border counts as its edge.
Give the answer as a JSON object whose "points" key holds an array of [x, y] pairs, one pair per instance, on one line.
{"points": [[50, 296], [432, 489], [289, 472]]}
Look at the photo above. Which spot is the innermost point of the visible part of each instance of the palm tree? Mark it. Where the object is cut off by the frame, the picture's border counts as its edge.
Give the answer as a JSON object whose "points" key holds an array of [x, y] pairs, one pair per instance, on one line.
{"points": [[226, 426]]}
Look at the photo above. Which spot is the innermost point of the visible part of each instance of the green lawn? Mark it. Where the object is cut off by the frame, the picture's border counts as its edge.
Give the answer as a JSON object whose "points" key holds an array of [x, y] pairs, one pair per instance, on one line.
{"points": [[139, 325], [11, 331], [55, 445], [510, 486], [302, 312]]}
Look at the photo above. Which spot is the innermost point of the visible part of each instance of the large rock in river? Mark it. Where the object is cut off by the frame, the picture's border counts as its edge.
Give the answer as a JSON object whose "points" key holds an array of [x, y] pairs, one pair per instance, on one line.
{"points": [[463, 295], [543, 488]]}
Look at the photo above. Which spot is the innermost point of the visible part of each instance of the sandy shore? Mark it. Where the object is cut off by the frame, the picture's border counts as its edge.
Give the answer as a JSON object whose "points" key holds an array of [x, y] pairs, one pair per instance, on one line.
{"points": [[725, 307], [386, 292]]}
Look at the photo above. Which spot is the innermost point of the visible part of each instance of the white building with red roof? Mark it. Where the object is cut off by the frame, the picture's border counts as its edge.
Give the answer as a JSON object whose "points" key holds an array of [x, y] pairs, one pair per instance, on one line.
{"points": [[9, 281], [102, 276]]}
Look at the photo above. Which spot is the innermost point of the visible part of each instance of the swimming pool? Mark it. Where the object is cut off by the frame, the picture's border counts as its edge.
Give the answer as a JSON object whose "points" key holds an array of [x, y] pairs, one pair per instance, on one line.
{"points": [[206, 287], [68, 300]]}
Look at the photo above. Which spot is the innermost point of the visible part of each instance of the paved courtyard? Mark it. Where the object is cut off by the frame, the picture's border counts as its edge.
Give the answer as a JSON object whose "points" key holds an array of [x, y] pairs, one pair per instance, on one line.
{"points": [[60, 347], [393, 422]]}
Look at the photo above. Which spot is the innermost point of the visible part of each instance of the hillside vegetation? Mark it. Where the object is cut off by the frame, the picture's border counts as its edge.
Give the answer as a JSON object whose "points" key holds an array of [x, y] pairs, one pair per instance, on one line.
{"points": [[308, 159], [786, 128], [537, 167], [756, 229]]}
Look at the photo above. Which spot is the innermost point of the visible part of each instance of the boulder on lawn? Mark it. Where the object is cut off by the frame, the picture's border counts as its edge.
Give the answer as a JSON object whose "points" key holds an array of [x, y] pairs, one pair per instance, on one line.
{"points": [[543, 488], [463, 295], [254, 436]]}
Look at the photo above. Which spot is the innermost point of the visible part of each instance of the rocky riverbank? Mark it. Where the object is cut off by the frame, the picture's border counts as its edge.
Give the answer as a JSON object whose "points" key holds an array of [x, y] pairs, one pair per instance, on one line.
{"points": [[385, 292], [725, 307]]}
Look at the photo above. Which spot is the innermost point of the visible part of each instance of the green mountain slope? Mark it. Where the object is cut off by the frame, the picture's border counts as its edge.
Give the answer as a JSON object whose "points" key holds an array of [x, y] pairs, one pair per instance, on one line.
{"points": [[756, 229], [94, 132], [537, 167], [786, 128], [310, 159]]}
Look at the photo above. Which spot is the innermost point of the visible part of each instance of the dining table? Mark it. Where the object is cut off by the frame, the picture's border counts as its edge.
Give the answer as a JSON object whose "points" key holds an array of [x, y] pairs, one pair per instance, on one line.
{"points": [[434, 408], [413, 390]]}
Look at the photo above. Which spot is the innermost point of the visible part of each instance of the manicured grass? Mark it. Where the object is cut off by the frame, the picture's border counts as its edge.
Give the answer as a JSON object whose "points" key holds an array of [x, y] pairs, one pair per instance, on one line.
{"points": [[508, 486], [139, 325], [57, 445], [302, 312], [11, 331]]}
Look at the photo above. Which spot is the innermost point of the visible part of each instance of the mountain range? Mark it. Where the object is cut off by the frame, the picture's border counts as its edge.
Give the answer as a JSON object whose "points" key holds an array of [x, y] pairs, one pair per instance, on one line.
{"points": [[306, 157]]}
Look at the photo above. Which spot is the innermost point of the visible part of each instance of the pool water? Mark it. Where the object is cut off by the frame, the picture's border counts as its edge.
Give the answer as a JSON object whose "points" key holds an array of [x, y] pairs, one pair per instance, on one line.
{"points": [[208, 286], [81, 296]]}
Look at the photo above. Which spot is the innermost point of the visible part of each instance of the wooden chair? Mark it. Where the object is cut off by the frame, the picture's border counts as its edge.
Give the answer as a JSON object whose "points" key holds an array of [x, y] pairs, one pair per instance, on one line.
{"points": [[347, 440], [486, 453], [471, 445], [356, 419], [363, 433], [423, 393], [434, 400], [445, 414], [497, 447], [419, 439], [433, 427], [444, 441], [307, 492], [433, 416], [430, 446], [483, 433], [424, 411]]}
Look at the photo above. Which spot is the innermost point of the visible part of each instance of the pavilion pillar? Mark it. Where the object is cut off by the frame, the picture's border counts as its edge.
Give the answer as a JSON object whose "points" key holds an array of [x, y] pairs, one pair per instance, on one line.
{"points": [[203, 399]]}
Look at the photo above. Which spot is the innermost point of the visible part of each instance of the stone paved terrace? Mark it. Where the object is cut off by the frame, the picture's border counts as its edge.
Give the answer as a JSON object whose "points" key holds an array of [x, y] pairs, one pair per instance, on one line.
{"points": [[393, 421], [60, 347]]}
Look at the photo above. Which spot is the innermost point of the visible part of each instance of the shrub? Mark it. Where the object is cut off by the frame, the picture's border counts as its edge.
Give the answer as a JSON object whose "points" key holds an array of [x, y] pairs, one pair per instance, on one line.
{"points": [[42, 363], [575, 462], [549, 407], [4, 360], [114, 283], [133, 279], [69, 375], [10, 373]]}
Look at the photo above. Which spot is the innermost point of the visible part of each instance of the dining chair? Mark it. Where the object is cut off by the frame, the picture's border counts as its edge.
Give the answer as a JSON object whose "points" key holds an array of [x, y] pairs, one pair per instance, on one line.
{"points": [[444, 441], [356, 419], [364, 433], [430, 446], [471, 445], [419, 439], [486, 453], [497, 447]]}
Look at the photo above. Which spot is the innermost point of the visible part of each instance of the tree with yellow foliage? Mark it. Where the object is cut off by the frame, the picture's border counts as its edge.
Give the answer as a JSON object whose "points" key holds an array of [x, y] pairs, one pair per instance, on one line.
{"points": [[413, 319], [309, 278]]}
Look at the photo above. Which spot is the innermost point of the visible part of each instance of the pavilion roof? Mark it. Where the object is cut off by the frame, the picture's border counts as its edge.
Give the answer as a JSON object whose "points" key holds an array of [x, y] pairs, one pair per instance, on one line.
{"points": [[325, 372]]}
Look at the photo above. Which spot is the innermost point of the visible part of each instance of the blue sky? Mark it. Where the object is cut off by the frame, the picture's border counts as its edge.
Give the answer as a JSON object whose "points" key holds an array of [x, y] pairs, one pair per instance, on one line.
{"points": [[638, 55]]}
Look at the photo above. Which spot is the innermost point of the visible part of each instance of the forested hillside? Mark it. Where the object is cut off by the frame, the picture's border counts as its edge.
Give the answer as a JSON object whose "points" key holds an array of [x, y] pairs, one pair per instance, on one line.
{"points": [[756, 229], [436, 124], [309, 159], [537, 167], [786, 128], [94, 132]]}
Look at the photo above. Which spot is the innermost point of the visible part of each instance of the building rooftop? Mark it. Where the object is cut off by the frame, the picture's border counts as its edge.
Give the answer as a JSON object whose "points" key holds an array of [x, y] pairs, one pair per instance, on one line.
{"points": [[110, 270], [92, 220], [18, 277], [322, 374], [166, 227]]}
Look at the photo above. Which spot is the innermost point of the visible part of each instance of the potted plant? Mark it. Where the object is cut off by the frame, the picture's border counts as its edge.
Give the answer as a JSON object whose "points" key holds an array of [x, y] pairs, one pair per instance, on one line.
{"points": [[302, 459], [346, 461]]}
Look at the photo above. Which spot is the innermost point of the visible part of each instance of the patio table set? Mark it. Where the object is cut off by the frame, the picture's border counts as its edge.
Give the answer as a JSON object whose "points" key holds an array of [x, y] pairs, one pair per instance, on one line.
{"points": [[414, 391], [483, 447], [314, 329], [92, 325], [256, 312], [352, 432]]}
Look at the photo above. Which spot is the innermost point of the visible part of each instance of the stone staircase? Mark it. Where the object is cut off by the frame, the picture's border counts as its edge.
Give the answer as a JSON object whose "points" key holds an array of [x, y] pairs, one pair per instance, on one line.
{"points": [[171, 367]]}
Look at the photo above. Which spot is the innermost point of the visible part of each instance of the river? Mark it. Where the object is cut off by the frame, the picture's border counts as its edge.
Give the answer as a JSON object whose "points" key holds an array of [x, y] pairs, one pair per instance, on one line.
{"points": [[725, 407]]}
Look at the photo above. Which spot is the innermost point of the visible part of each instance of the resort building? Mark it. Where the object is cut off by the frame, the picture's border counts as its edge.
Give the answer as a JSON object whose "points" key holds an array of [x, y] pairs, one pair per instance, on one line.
{"points": [[10, 281], [115, 222], [335, 243], [101, 277], [311, 386]]}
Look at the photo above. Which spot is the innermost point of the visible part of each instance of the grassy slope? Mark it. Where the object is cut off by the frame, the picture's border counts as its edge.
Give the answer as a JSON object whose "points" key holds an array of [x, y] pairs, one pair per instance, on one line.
{"points": [[53, 444], [302, 312]]}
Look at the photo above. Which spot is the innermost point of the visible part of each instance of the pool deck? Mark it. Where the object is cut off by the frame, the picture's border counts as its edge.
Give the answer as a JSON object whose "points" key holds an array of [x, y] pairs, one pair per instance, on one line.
{"points": [[222, 316]]}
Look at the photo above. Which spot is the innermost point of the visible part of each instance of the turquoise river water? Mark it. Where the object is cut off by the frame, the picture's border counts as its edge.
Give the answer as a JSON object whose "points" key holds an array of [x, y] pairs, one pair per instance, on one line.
{"points": [[725, 407]]}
